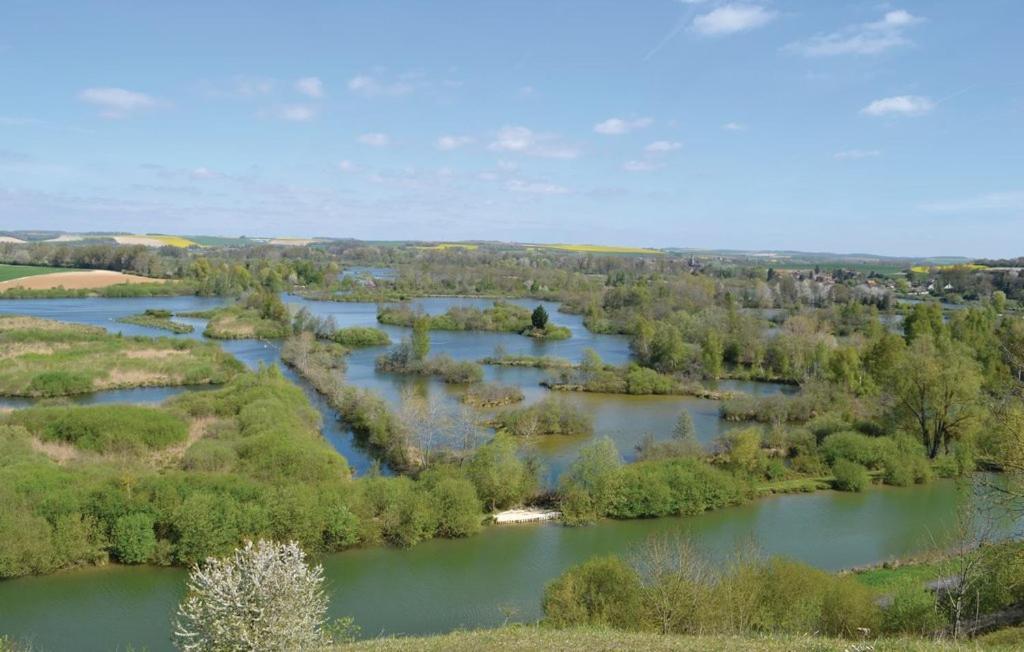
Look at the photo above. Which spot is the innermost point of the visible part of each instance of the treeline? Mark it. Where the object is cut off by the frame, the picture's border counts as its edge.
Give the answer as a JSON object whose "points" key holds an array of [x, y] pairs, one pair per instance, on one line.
{"points": [[500, 317]]}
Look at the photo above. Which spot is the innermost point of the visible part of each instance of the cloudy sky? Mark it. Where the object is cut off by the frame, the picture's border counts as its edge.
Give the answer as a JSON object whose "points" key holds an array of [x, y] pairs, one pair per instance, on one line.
{"points": [[828, 126]]}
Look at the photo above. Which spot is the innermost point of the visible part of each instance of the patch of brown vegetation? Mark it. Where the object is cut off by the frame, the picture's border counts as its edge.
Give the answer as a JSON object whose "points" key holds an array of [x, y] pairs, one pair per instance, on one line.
{"points": [[134, 378], [172, 455], [97, 278], [19, 322], [58, 451], [31, 348], [154, 354]]}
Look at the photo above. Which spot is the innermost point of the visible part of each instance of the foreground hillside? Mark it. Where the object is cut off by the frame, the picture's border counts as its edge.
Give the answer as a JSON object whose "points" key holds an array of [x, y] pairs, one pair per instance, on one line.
{"points": [[537, 638]]}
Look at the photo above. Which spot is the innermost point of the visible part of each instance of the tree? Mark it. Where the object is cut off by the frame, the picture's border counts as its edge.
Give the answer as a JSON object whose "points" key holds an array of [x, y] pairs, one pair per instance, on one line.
{"points": [[684, 430], [711, 355], [263, 597], [934, 392], [501, 478], [596, 473], [421, 338], [539, 318], [604, 591]]}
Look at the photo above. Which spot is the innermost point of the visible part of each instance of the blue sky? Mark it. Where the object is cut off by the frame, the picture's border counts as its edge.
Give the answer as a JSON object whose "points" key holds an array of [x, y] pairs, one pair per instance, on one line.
{"points": [[762, 124]]}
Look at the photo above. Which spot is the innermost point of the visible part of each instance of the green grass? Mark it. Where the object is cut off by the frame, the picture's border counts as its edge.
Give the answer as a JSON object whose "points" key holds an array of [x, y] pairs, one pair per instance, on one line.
{"points": [[238, 323], [11, 272], [526, 637], [103, 428], [49, 358]]}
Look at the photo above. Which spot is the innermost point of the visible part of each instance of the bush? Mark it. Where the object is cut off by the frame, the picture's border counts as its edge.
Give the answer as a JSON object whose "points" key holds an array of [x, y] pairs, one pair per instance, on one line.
{"points": [[359, 336], [604, 591], [551, 416], [850, 476], [60, 383], [132, 539], [104, 428], [913, 610], [871, 452]]}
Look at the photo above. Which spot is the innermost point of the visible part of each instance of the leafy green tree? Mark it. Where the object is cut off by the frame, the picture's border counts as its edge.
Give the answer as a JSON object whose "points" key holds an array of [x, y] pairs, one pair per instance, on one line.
{"points": [[132, 539], [934, 392], [421, 338], [500, 476], [711, 355], [924, 319], [539, 318], [596, 472]]}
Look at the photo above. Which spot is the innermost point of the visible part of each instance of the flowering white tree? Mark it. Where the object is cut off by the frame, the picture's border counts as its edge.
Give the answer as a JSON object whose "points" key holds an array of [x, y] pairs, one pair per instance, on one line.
{"points": [[263, 597]]}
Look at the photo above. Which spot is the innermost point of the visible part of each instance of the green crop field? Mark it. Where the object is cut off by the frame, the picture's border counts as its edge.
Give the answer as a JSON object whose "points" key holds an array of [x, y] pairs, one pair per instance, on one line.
{"points": [[10, 272]]}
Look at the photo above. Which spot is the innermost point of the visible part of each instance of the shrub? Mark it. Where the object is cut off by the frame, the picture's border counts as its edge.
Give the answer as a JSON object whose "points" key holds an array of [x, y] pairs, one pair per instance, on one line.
{"points": [[551, 416], [913, 610], [60, 383], [132, 539], [264, 596], [871, 452], [604, 591], [105, 428], [850, 476], [210, 455], [359, 336]]}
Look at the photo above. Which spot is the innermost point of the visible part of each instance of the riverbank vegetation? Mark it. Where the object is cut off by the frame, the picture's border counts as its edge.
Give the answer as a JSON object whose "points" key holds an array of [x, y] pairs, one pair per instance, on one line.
{"points": [[253, 464], [156, 318], [260, 315], [48, 358], [550, 416], [410, 357], [501, 317], [486, 395]]}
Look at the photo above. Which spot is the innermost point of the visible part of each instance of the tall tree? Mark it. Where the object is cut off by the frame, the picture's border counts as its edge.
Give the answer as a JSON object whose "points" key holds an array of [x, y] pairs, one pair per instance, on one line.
{"points": [[539, 318], [935, 391], [421, 338]]}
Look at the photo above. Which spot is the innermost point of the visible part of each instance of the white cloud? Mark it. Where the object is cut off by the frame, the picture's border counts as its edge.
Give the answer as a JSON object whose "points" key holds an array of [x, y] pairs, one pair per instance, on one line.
{"points": [[734, 126], [203, 173], [449, 142], [310, 86], [117, 102], [908, 105], [525, 141], [375, 139], [618, 126], [346, 166], [535, 187], [639, 166], [370, 86], [731, 19], [660, 146], [297, 113], [865, 38], [989, 202], [854, 154]]}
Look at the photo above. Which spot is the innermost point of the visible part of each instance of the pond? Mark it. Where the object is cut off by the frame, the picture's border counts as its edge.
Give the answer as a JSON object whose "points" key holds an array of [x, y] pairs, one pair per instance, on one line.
{"points": [[441, 585], [625, 419]]}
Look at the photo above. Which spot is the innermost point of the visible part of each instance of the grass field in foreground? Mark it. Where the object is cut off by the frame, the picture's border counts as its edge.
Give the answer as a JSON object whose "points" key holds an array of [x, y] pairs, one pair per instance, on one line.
{"points": [[524, 637], [596, 249], [11, 272]]}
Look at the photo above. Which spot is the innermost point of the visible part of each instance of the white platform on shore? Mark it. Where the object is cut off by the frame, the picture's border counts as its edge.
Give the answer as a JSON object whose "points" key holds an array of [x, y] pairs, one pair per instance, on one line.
{"points": [[526, 516]]}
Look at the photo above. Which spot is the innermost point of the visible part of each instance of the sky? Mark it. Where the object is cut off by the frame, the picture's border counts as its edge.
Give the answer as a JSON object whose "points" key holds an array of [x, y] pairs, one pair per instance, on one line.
{"points": [[848, 126]]}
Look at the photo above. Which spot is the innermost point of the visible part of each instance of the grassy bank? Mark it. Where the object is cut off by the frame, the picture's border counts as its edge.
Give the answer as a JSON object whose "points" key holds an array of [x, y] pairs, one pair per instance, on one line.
{"points": [[501, 317], [49, 358], [240, 323], [157, 319], [524, 637]]}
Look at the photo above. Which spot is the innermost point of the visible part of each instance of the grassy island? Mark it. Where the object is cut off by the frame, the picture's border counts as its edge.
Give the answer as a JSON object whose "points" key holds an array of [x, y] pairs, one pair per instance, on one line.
{"points": [[51, 358]]}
